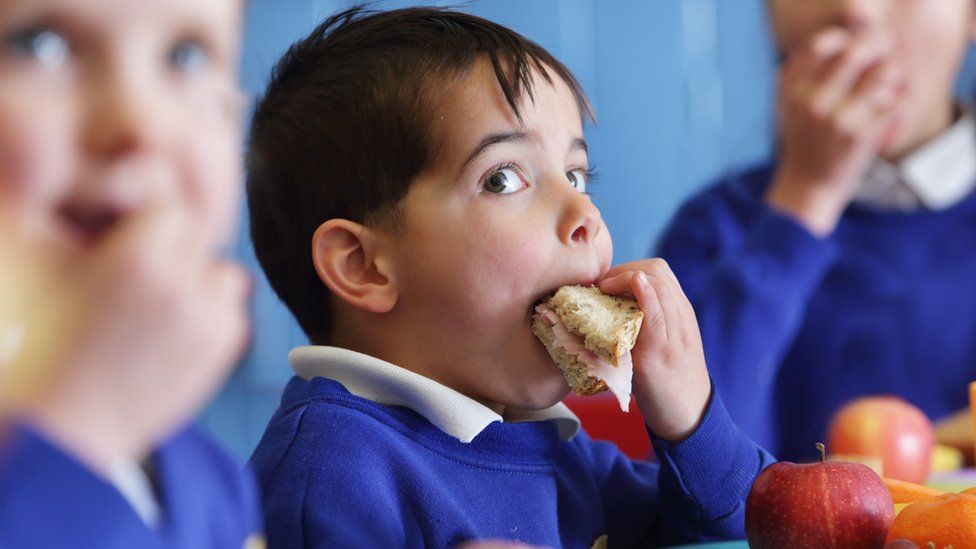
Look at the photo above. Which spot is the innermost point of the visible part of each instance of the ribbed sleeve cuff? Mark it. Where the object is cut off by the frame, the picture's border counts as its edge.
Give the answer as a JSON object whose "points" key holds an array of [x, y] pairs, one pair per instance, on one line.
{"points": [[708, 475]]}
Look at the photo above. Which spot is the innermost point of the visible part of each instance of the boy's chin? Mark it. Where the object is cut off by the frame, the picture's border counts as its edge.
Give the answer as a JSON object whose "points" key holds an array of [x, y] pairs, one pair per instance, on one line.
{"points": [[545, 394]]}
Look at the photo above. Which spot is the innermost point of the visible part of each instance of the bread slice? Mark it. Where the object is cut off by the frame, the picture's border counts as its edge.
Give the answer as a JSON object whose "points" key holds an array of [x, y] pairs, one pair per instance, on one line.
{"points": [[606, 325]]}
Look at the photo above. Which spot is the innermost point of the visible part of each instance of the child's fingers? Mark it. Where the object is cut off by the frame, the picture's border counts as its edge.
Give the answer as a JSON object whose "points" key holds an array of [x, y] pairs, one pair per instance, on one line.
{"points": [[618, 284], [829, 42], [816, 53], [669, 297], [660, 268], [870, 105], [657, 291], [626, 284], [618, 270], [844, 72], [655, 325], [687, 321], [651, 265]]}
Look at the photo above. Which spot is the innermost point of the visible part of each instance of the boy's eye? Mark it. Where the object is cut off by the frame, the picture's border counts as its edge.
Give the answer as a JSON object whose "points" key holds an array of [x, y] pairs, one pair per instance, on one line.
{"points": [[40, 44], [189, 57], [503, 181], [577, 178]]}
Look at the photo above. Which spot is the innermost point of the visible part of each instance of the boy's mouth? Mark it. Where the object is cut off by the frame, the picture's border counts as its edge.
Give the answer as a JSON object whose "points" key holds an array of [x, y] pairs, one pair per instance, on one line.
{"points": [[87, 223]]}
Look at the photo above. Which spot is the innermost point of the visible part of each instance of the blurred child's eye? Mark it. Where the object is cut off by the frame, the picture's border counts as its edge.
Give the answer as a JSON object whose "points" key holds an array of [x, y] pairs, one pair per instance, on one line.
{"points": [[503, 181], [189, 57], [40, 44], [577, 178]]}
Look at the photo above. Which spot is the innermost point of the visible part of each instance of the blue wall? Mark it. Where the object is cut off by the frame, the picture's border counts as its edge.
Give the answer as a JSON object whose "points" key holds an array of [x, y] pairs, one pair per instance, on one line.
{"points": [[682, 89]]}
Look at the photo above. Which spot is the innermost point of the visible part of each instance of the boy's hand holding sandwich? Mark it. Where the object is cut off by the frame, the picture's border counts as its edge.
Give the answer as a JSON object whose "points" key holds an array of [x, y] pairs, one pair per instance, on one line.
{"points": [[671, 382], [600, 337]]}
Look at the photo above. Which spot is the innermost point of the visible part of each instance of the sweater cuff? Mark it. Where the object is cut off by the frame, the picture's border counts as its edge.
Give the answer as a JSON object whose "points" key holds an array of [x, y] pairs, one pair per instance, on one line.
{"points": [[783, 252], [707, 476]]}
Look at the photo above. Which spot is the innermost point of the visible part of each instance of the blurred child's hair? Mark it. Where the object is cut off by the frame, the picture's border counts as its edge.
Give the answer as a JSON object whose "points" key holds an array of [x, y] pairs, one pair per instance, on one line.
{"points": [[346, 124]]}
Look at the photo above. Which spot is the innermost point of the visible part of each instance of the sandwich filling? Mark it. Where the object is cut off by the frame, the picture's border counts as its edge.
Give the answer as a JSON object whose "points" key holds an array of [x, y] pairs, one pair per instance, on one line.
{"points": [[617, 378]]}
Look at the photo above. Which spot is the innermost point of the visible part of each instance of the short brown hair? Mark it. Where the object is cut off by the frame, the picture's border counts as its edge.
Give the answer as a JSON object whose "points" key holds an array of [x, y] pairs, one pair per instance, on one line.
{"points": [[344, 127]]}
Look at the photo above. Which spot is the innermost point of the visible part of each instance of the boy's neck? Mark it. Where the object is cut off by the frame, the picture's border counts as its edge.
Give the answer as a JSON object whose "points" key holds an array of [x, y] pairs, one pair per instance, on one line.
{"points": [[380, 344]]}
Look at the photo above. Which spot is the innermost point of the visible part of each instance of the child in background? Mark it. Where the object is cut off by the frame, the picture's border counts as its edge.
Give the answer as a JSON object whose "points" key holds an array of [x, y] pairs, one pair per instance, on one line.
{"points": [[120, 127], [845, 266], [417, 183]]}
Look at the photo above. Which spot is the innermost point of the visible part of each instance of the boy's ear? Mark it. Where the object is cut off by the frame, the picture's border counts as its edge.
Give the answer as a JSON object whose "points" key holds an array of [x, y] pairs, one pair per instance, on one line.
{"points": [[347, 259]]}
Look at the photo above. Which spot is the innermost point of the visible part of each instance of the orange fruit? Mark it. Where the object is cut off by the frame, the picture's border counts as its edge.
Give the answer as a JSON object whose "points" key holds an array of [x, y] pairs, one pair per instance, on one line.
{"points": [[949, 519], [907, 492]]}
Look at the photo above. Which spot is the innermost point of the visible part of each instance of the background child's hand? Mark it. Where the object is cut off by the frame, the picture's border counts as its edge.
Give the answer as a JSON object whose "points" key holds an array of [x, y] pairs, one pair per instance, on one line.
{"points": [[671, 383], [138, 336], [837, 103]]}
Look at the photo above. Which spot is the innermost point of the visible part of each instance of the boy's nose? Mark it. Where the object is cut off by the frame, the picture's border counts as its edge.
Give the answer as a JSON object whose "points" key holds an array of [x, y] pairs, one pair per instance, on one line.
{"points": [[581, 220], [120, 118]]}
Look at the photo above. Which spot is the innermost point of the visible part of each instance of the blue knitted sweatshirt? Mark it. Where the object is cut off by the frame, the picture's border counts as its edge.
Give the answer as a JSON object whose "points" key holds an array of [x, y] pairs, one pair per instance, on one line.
{"points": [[795, 326], [338, 470], [48, 499]]}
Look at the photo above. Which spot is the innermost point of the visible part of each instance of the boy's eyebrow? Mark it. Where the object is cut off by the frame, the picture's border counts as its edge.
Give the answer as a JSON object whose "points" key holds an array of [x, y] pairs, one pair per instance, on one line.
{"points": [[494, 139], [580, 143], [506, 137]]}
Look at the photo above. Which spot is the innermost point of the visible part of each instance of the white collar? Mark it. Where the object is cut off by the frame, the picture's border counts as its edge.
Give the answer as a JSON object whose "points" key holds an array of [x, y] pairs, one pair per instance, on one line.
{"points": [[452, 412], [131, 480], [936, 176]]}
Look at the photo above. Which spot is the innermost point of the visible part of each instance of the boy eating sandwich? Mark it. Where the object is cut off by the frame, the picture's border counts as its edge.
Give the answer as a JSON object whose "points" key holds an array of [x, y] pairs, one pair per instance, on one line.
{"points": [[417, 186]]}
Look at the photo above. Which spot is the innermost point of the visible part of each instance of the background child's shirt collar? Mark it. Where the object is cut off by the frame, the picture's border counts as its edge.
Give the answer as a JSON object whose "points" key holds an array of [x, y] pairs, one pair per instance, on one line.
{"points": [[935, 177], [131, 480], [452, 412]]}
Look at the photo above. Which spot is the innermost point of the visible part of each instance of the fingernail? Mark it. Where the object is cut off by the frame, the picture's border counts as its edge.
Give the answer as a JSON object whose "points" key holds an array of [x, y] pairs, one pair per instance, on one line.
{"points": [[642, 280]]}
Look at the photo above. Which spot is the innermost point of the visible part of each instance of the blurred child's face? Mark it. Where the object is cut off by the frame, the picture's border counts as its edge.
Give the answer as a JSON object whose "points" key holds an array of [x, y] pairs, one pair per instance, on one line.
{"points": [[107, 106], [499, 221], [930, 38]]}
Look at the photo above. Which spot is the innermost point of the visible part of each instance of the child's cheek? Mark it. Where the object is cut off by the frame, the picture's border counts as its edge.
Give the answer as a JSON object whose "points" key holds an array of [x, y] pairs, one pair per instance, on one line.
{"points": [[35, 158], [213, 170]]}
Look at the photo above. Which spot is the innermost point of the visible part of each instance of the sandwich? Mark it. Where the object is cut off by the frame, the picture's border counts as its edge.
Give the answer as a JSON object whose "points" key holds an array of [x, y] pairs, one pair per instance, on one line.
{"points": [[589, 335]]}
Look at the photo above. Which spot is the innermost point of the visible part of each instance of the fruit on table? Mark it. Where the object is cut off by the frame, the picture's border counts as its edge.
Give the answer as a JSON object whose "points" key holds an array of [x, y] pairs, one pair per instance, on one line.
{"points": [[946, 459], [906, 544], [818, 505], [908, 492], [945, 520], [889, 428]]}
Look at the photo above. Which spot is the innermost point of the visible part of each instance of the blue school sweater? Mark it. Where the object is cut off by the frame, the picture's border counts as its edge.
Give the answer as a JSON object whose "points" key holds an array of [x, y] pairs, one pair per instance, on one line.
{"points": [[795, 326], [339, 470], [50, 500]]}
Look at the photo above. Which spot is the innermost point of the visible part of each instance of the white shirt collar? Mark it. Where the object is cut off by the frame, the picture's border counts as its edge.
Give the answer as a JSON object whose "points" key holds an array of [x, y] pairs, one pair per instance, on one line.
{"points": [[452, 412], [130, 479], [936, 176]]}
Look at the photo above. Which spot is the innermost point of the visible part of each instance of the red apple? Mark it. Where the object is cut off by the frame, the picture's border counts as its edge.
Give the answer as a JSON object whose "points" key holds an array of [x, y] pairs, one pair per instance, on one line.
{"points": [[888, 428], [818, 505]]}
